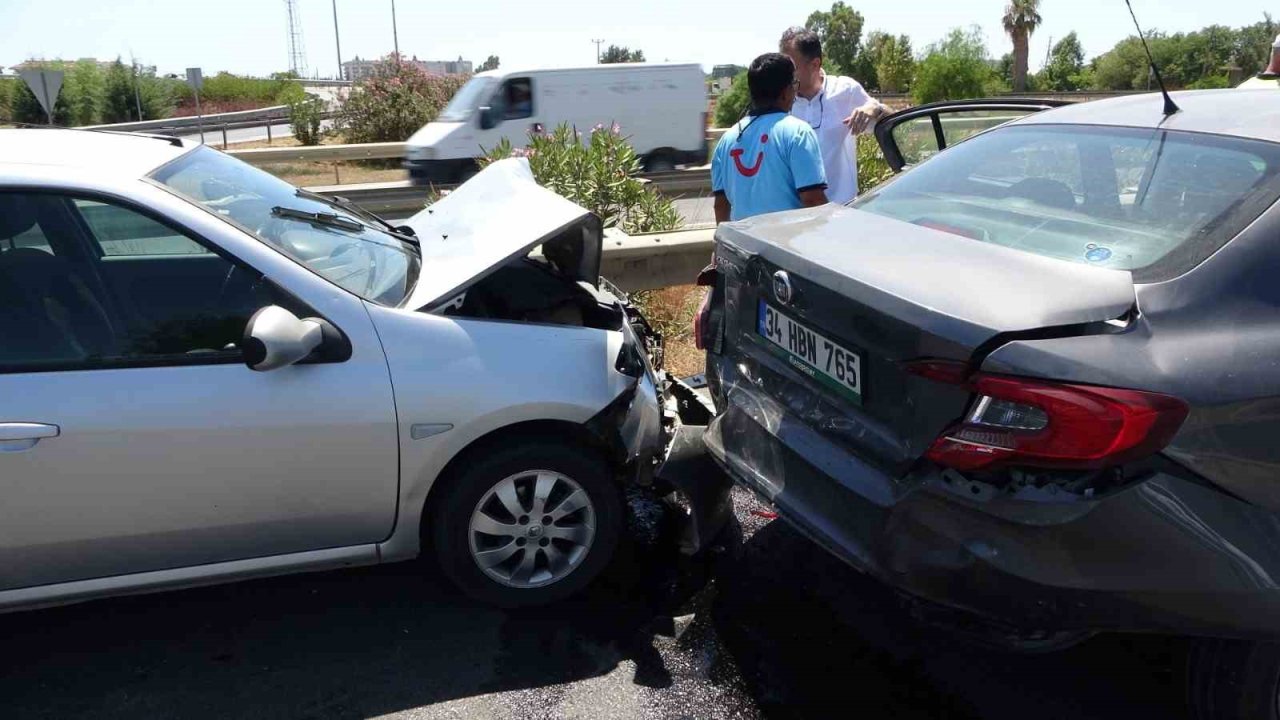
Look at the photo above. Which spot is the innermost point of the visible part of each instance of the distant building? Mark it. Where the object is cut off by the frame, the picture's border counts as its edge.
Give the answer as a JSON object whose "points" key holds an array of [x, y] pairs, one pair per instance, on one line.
{"points": [[726, 71], [358, 69], [721, 85]]}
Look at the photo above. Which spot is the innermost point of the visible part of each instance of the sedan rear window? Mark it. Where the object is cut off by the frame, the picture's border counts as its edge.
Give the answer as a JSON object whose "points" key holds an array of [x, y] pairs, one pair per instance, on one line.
{"points": [[1155, 202]]}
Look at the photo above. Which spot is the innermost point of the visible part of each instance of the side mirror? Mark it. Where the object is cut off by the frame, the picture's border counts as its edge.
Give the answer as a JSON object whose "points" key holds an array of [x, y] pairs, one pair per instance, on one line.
{"points": [[276, 338], [488, 118]]}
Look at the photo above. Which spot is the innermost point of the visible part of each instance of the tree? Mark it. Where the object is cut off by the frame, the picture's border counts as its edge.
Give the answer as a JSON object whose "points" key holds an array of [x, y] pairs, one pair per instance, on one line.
{"points": [[841, 33], [490, 63], [1021, 18], [617, 54], [894, 64], [1066, 63], [733, 103], [952, 69], [865, 65], [1253, 45]]}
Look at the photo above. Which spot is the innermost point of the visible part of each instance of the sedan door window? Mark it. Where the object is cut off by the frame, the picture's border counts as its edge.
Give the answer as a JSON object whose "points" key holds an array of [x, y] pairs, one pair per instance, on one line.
{"points": [[171, 301]]}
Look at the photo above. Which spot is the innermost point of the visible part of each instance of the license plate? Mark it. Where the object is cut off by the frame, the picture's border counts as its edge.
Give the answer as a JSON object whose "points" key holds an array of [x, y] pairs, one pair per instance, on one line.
{"points": [[809, 352]]}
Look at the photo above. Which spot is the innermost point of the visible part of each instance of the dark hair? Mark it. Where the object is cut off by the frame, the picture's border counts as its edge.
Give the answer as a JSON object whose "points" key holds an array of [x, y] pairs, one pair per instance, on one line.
{"points": [[805, 42], [768, 77]]}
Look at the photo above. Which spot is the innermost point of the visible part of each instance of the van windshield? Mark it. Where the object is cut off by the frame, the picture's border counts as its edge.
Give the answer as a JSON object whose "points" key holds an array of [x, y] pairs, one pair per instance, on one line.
{"points": [[466, 100]]}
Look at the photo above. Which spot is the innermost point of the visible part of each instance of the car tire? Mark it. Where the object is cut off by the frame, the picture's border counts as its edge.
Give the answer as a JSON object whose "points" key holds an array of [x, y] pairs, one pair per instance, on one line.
{"points": [[658, 163], [1233, 680], [479, 499]]}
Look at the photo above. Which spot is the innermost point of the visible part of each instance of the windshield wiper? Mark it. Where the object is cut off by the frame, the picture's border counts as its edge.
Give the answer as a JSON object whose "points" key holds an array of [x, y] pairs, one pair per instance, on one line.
{"points": [[316, 218], [345, 204]]}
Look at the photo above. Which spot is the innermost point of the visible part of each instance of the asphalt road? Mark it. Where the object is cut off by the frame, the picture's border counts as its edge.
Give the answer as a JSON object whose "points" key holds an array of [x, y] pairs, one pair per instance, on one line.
{"points": [[696, 211], [779, 630]]}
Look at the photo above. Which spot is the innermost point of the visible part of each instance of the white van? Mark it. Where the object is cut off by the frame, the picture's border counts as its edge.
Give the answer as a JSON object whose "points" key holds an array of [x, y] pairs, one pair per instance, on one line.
{"points": [[661, 109]]}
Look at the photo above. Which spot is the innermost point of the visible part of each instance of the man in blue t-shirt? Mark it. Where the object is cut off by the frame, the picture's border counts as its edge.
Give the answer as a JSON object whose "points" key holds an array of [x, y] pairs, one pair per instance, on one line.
{"points": [[769, 160]]}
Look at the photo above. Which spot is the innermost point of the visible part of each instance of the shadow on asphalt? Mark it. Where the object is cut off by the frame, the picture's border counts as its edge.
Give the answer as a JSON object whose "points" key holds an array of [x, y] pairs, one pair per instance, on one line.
{"points": [[784, 631], [353, 643], [813, 638]]}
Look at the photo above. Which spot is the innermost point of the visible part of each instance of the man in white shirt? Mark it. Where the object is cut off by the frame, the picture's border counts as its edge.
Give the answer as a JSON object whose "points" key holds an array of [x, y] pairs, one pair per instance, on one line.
{"points": [[836, 107]]}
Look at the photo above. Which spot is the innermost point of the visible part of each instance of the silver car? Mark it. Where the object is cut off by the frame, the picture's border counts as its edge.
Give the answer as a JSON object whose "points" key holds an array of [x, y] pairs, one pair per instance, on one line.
{"points": [[207, 375]]}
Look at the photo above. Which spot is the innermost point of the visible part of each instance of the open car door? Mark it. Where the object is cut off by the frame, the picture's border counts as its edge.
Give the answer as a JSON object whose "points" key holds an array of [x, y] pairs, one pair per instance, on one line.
{"points": [[910, 136]]}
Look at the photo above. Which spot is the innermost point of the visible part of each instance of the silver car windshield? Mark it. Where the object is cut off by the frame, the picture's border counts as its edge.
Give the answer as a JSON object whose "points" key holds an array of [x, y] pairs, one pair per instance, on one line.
{"points": [[1155, 202], [351, 251], [466, 100]]}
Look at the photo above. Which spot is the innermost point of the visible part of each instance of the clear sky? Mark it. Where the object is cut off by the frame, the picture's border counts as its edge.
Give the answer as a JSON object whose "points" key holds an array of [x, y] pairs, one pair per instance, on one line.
{"points": [[250, 36]]}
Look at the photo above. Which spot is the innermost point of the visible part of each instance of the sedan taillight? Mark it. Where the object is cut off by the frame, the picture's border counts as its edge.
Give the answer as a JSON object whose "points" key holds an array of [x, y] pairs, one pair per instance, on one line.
{"points": [[1035, 423]]}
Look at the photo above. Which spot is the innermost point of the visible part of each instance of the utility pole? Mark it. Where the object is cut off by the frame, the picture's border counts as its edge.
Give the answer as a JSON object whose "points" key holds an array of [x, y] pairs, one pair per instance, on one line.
{"points": [[598, 43], [137, 97], [395, 37], [336, 40]]}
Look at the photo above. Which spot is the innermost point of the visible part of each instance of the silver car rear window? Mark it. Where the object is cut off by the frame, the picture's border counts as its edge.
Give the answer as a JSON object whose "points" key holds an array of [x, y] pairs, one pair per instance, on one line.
{"points": [[1155, 202]]}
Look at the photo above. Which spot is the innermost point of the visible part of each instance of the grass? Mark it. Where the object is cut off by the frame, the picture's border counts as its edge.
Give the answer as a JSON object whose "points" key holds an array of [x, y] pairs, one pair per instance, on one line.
{"points": [[304, 174], [670, 311], [346, 173]]}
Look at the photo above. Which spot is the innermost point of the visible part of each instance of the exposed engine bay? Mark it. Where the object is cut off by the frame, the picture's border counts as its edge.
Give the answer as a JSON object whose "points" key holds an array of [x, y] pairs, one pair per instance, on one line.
{"points": [[545, 288]]}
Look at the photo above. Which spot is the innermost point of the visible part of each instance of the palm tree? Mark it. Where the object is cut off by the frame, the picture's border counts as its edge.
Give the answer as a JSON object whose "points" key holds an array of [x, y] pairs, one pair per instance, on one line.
{"points": [[1021, 18]]}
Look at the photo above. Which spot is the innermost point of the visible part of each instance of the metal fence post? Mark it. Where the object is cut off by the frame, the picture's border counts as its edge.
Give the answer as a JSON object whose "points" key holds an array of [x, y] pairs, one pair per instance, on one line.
{"points": [[224, 136], [268, 132]]}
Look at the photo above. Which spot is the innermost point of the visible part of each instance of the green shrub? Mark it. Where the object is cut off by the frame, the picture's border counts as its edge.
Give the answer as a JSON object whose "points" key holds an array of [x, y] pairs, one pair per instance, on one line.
{"points": [[225, 87], [305, 115], [124, 90], [732, 104], [394, 102], [599, 175], [872, 168], [7, 87], [1213, 82]]}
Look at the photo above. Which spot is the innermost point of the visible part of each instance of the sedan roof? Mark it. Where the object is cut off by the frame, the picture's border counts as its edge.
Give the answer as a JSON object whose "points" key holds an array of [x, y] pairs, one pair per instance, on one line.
{"points": [[1242, 113], [118, 153]]}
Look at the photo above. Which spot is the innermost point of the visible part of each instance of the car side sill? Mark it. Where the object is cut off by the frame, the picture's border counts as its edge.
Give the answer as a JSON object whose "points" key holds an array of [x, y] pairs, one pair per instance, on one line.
{"points": [[186, 577]]}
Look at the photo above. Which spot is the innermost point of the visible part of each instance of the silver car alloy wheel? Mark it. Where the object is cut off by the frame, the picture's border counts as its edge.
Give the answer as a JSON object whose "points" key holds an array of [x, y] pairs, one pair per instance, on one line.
{"points": [[532, 529]]}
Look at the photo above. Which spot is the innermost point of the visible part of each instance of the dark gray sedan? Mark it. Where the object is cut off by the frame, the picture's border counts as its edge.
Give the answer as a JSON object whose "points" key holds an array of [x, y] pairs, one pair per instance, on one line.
{"points": [[1033, 382]]}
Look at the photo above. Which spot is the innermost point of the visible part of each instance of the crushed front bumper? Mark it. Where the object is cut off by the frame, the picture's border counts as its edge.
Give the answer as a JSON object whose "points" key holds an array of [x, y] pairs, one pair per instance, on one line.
{"points": [[1163, 555], [653, 435]]}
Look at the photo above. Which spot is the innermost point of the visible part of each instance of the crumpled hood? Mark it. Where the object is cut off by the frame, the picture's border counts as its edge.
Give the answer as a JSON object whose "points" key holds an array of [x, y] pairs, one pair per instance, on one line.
{"points": [[500, 214]]}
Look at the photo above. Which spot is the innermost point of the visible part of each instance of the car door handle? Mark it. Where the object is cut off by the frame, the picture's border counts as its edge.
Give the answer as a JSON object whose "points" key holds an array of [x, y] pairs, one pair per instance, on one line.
{"points": [[20, 436]]}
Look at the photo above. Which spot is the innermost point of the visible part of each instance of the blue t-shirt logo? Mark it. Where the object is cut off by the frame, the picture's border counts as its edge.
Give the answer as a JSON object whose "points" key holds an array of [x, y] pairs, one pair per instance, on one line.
{"points": [[762, 164], [743, 169]]}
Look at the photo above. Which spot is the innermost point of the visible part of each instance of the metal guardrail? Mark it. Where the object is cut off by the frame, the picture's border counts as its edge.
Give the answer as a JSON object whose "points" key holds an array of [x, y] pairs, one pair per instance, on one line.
{"points": [[656, 260], [258, 116], [321, 153], [401, 197]]}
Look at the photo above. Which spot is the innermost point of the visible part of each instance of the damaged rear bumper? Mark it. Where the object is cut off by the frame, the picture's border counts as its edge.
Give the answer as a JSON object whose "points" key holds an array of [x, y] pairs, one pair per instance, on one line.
{"points": [[1163, 555]]}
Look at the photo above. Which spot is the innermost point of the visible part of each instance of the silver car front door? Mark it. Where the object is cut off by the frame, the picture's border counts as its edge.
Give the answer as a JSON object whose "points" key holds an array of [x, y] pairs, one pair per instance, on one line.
{"points": [[133, 437]]}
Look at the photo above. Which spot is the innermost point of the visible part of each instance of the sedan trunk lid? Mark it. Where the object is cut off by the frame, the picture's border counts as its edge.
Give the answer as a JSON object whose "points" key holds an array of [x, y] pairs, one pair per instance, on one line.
{"points": [[887, 292]]}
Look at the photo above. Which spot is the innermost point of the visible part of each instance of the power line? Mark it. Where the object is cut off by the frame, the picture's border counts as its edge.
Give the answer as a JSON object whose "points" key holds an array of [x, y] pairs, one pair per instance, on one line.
{"points": [[598, 43]]}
